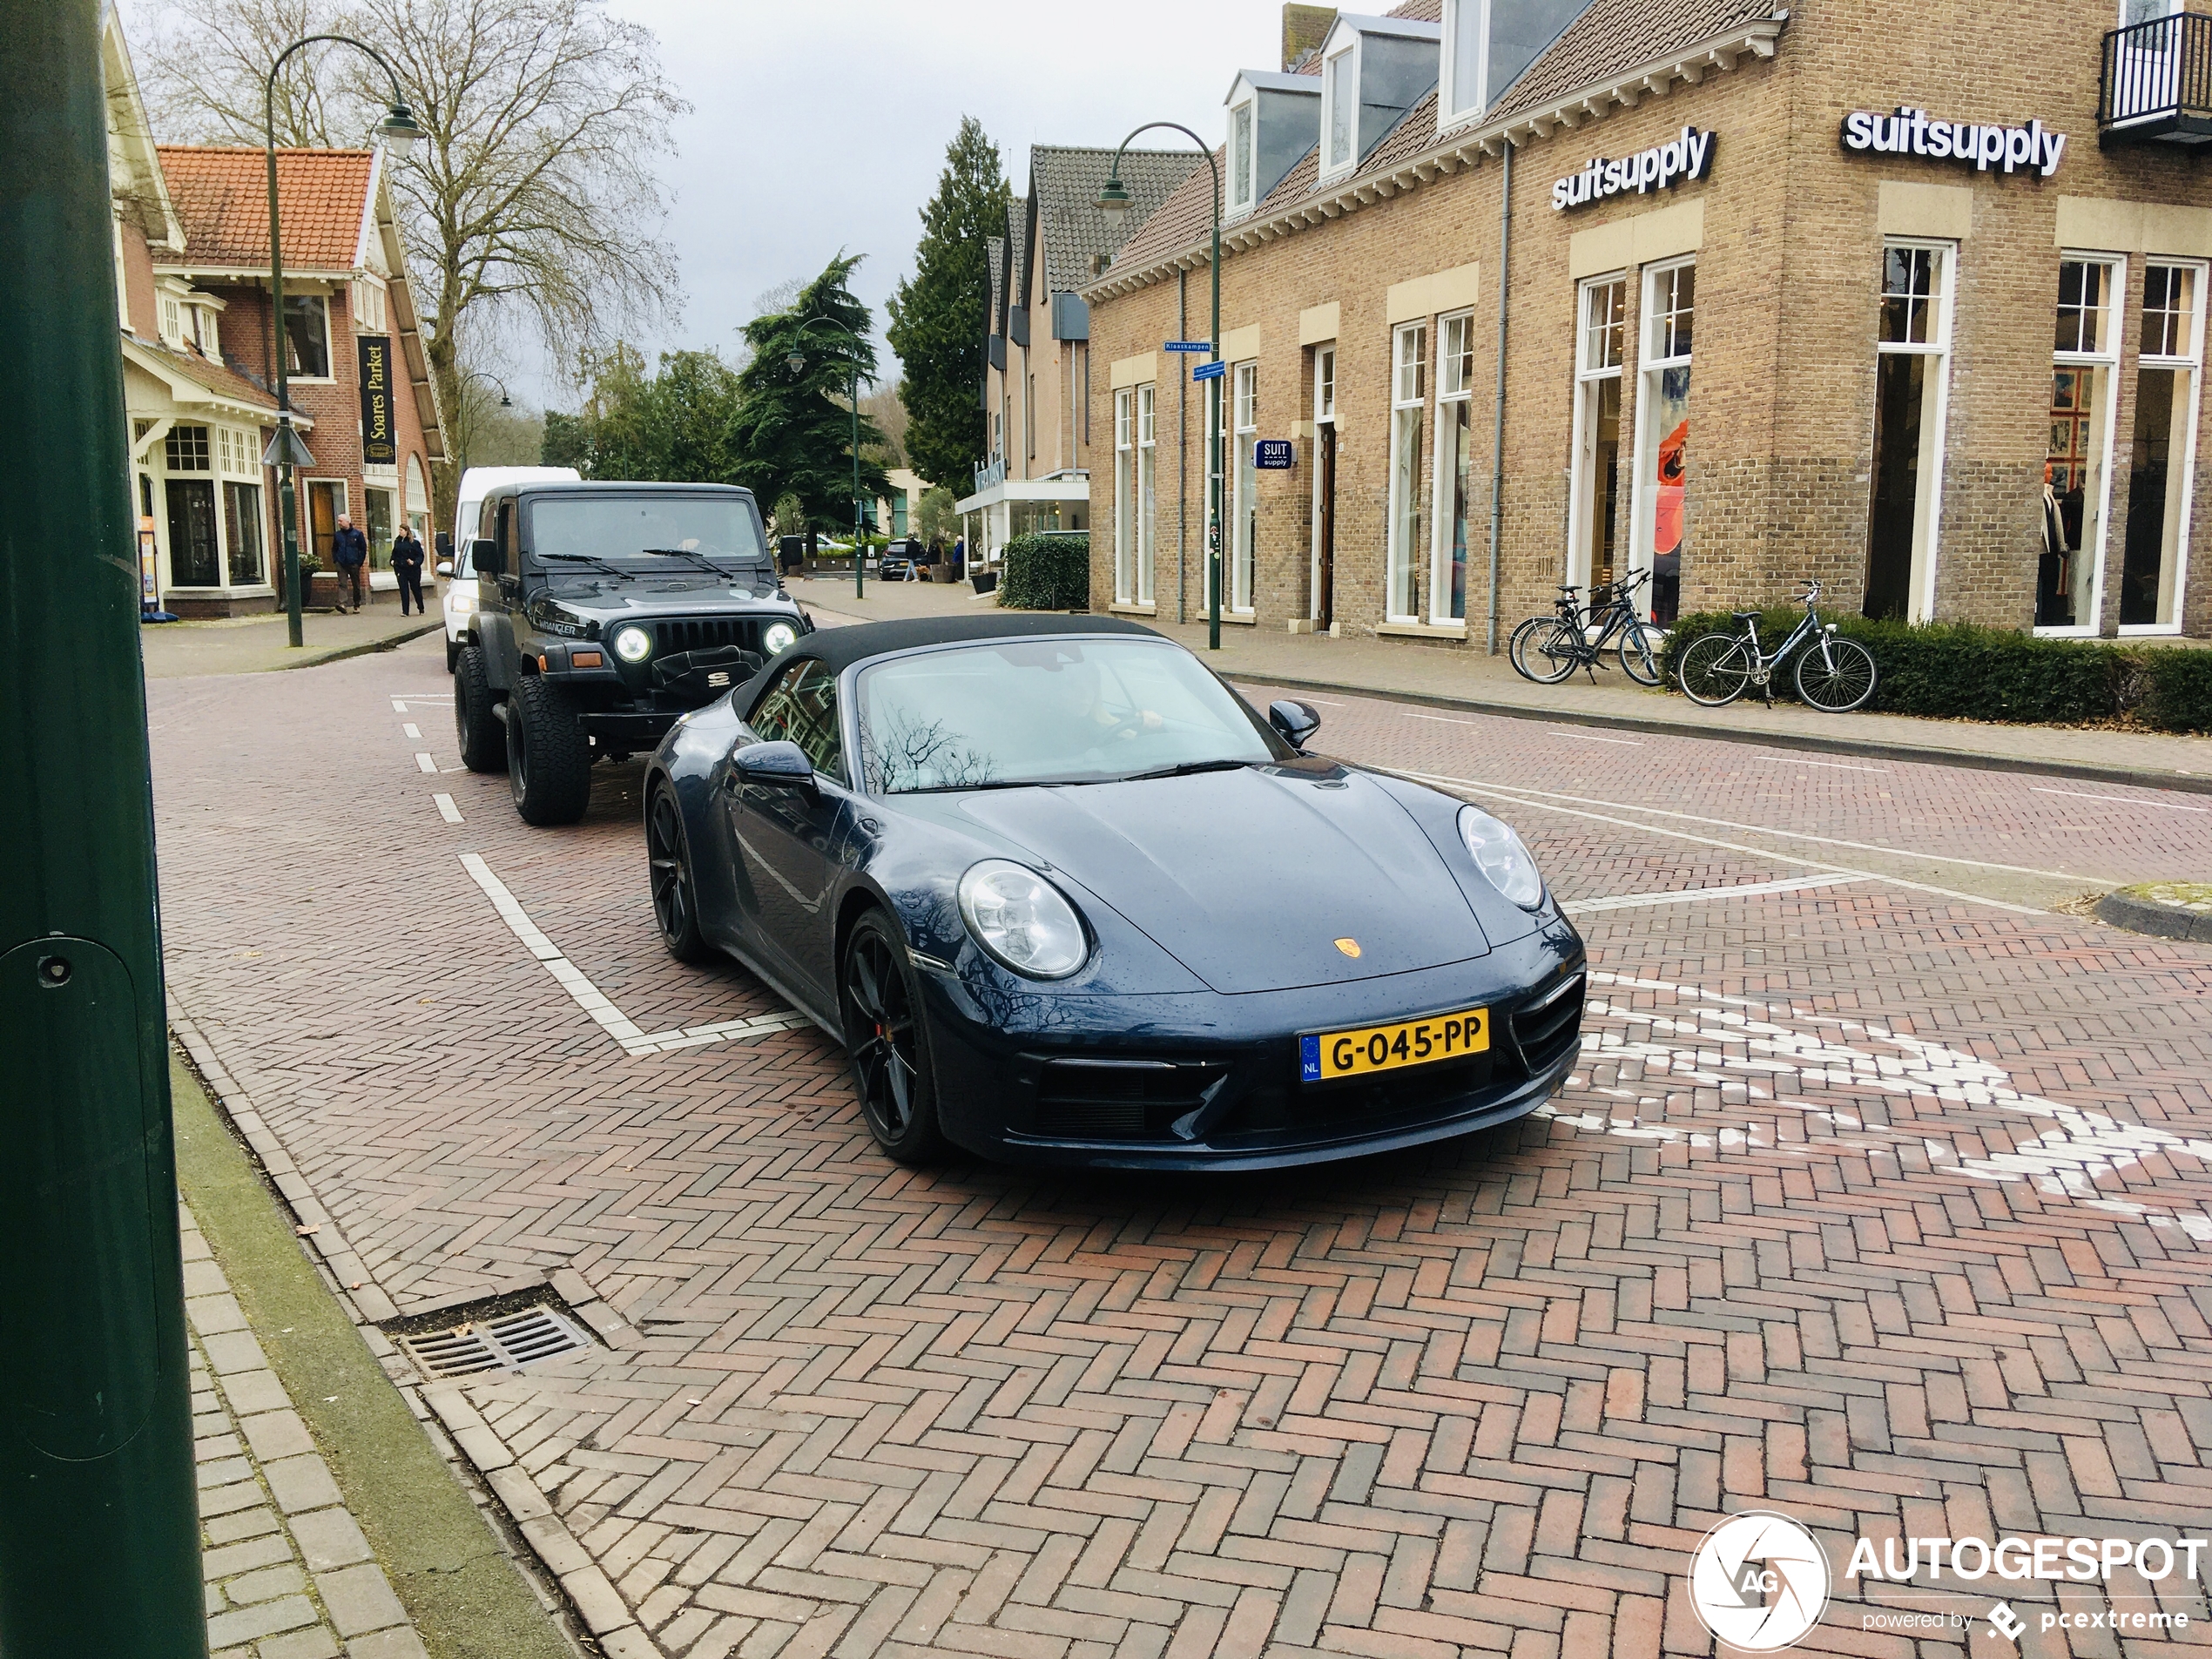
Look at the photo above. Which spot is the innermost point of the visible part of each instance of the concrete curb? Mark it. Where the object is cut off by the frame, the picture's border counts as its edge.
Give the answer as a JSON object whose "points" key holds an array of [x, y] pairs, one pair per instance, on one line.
{"points": [[2137, 915], [1928, 754], [390, 642]]}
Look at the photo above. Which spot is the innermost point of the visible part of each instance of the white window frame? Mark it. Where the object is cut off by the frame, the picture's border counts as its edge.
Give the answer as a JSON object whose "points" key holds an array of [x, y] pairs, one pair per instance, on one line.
{"points": [[1921, 606], [1324, 414], [1583, 500], [1125, 496], [329, 343], [1408, 390], [172, 322], [2096, 534], [1651, 363], [2192, 364], [368, 306], [1244, 488], [1148, 493], [1456, 106], [1243, 153], [1332, 170], [1454, 385]]}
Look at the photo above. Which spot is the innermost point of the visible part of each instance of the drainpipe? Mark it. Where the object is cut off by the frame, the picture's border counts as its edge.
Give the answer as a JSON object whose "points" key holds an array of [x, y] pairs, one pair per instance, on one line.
{"points": [[1498, 434], [1181, 437]]}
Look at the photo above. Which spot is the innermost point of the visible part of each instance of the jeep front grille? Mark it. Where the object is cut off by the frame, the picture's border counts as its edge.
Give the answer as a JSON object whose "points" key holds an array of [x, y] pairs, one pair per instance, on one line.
{"points": [[697, 633]]}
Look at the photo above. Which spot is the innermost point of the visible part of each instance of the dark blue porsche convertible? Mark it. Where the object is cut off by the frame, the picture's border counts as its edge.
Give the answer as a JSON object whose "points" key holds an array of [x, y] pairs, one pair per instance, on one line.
{"points": [[1066, 898]]}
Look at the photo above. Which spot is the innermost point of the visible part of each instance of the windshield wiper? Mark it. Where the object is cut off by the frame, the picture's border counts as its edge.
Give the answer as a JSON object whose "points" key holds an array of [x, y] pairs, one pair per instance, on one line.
{"points": [[1185, 769], [586, 558], [692, 554], [994, 783]]}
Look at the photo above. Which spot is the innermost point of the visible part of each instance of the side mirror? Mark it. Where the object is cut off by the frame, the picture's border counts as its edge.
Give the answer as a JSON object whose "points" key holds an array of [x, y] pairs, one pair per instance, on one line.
{"points": [[445, 566], [484, 554], [445, 545], [774, 765], [1296, 721]]}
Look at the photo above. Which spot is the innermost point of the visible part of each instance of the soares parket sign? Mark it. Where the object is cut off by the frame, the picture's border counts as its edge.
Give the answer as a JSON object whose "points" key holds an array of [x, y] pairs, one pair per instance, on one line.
{"points": [[1661, 166], [1979, 144]]}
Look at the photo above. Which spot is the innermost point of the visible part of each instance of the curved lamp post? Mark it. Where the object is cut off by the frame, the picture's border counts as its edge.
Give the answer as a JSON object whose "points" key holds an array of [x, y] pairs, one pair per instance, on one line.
{"points": [[286, 451], [796, 361], [1112, 201]]}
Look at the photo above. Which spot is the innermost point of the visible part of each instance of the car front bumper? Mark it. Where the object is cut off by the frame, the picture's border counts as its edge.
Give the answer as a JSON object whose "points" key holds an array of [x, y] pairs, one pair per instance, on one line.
{"points": [[1203, 1081]]}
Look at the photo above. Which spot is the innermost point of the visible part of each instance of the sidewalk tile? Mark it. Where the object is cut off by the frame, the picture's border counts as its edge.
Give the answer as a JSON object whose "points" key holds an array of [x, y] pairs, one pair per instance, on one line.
{"points": [[329, 1538], [266, 1620], [360, 1599], [301, 1482], [276, 1434]]}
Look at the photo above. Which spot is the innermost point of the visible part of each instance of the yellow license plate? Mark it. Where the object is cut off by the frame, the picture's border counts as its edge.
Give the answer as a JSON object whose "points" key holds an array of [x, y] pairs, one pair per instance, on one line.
{"points": [[1387, 1047]]}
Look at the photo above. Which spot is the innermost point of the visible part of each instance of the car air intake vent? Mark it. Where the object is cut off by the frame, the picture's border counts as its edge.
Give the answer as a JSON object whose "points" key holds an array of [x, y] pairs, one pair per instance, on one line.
{"points": [[1118, 1099], [695, 633], [1547, 1028]]}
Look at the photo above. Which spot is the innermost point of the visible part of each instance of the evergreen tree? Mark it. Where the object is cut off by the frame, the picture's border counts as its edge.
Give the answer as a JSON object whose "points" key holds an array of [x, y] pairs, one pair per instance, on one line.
{"points": [[792, 432], [937, 317], [675, 426]]}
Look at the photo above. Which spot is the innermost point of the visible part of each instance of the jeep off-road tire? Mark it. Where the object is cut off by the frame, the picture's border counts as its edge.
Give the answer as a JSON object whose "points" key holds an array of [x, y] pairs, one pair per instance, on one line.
{"points": [[548, 760], [475, 723], [453, 654]]}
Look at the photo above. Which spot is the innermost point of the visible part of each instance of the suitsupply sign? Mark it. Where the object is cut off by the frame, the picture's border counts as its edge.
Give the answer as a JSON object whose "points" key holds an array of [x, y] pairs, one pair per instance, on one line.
{"points": [[1660, 167], [1981, 146]]}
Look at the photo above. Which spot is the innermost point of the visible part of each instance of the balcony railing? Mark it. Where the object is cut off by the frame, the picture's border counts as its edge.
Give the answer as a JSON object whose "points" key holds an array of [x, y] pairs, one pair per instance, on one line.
{"points": [[2157, 82]]}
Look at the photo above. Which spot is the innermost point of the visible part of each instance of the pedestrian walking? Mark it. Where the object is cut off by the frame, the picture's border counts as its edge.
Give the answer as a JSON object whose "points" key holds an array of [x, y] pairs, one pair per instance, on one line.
{"points": [[349, 552], [407, 564]]}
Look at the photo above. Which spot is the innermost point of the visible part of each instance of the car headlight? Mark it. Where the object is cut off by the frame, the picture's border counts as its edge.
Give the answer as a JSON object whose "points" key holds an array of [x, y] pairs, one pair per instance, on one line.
{"points": [[1499, 855], [779, 635], [1021, 919], [461, 601], [633, 643]]}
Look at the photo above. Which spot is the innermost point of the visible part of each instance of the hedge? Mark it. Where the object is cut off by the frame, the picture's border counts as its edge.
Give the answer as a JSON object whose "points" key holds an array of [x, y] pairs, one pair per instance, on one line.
{"points": [[1963, 671], [1047, 572]]}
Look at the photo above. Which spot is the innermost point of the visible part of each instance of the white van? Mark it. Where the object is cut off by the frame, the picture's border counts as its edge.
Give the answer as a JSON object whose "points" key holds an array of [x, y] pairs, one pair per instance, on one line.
{"points": [[453, 554]]}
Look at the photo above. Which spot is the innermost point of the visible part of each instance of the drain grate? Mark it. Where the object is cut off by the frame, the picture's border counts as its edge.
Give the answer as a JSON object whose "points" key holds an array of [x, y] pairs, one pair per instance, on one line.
{"points": [[507, 1342]]}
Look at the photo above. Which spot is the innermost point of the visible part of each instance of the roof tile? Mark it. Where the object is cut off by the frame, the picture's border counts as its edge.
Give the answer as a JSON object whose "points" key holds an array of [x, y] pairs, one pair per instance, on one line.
{"points": [[222, 199]]}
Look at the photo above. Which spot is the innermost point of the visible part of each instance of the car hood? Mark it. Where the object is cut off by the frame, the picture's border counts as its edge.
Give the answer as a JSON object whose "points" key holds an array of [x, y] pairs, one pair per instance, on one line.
{"points": [[691, 602], [1249, 878]]}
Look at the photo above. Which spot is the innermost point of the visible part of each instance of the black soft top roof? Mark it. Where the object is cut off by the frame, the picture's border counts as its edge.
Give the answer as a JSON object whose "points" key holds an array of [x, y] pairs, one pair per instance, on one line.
{"points": [[840, 648]]}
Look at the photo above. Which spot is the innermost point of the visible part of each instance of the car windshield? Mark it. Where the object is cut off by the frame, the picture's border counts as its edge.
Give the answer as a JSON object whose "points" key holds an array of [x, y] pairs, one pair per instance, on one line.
{"points": [[1048, 711], [677, 541]]}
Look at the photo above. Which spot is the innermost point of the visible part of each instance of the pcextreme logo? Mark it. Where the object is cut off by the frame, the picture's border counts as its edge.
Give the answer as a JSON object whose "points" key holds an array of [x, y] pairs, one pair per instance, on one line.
{"points": [[1758, 1581]]}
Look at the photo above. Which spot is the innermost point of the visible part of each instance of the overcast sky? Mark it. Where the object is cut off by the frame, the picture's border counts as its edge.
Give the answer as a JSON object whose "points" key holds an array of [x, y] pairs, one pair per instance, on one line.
{"points": [[817, 125]]}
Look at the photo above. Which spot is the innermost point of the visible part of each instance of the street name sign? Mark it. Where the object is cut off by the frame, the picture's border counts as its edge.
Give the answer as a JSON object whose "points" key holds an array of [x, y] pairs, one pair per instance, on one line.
{"points": [[1209, 371], [1199, 345]]}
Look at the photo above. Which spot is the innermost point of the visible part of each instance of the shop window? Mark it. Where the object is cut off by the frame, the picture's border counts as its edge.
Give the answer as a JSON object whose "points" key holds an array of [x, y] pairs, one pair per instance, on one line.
{"points": [[194, 555], [186, 449], [1662, 431], [1244, 512], [2162, 459], [1408, 496], [377, 520], [1913, 350], [1454, 466], [307, 336], [1125, 496], [242, 534], [2077, 463], [1595, 503], [1148, 495], [1325, 485]]}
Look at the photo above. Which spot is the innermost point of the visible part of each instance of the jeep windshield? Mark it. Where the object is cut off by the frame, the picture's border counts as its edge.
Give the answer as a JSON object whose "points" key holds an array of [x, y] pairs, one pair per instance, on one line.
{"points": [[663, 540]]}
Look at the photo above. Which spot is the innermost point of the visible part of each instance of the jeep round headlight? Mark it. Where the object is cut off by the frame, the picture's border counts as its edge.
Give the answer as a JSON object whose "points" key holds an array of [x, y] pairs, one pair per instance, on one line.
{"points": [[1499, 855], [633, 643], [1021, 919], [779, 635]]}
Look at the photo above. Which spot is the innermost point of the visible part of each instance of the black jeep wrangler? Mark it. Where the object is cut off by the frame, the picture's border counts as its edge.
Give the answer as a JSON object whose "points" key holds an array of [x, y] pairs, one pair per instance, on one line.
{"points": [[604, 612]]}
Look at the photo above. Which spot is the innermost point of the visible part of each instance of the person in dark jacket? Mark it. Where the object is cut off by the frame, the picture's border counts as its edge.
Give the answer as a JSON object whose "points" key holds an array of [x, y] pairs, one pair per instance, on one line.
{"points": [[349, 552], [407, 564]]}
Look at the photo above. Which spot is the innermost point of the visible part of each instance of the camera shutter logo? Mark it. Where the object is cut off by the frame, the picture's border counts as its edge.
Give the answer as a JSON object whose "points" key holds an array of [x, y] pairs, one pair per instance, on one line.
{"points": [[1759, 1582]]}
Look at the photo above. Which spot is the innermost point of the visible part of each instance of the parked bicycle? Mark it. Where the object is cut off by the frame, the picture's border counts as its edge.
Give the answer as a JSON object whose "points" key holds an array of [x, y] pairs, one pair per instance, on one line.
{"points": [[1833, 675], [1549, 649]]}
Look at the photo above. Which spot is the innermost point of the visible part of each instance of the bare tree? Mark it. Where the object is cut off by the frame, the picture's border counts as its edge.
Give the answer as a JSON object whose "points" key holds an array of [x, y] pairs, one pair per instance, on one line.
{"points": [[530, 201]]}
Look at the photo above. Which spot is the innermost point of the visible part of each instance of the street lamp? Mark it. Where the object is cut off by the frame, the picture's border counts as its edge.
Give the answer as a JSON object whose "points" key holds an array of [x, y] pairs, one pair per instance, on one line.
{"points": [[1114, 202], [489, 379], [796, 362], [286, 451]]}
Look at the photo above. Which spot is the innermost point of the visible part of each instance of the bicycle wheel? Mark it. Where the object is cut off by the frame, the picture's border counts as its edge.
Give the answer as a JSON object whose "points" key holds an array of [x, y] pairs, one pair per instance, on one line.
{"points": [[1521, 638], [1639, 653], [1715, 669], [1552, 651], [1835, 676]]}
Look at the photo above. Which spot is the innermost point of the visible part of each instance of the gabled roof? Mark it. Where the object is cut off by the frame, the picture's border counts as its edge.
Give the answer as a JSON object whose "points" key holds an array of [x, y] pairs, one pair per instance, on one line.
{"points": [[1064, 216], [1409, 22], [1017, 250], [324, 198], [136, 170], [1306, 83], [995, 256]]}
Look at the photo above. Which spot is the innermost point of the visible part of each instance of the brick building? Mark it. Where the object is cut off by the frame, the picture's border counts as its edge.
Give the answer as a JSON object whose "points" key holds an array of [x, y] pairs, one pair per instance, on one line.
{"points": [[1759, 320]]}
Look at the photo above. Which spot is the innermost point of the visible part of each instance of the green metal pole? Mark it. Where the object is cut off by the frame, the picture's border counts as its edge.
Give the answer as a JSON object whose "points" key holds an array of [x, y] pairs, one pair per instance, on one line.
{"points": [[286, 496], [99, 1532], [1214, 405], [859, 554]]}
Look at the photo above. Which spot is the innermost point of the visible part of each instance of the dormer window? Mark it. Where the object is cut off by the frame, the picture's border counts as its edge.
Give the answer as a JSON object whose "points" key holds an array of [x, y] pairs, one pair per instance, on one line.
{"points": [[1487, 45], [1374, 71], [1273, 121], [1340, 92], [1241, 161]]}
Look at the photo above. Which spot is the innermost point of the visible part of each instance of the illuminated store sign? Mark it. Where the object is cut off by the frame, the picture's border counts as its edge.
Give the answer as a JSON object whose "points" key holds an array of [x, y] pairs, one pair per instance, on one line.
{"points": [[1909, 133], [1663, 165]]}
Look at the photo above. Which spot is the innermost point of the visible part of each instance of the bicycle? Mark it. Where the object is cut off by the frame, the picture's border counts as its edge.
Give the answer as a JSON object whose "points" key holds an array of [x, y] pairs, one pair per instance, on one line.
{"points": [[1549, 648], [1835, 677]]}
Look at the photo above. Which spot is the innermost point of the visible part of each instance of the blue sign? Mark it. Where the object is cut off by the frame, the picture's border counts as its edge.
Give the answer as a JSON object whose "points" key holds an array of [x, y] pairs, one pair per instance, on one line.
{"points": [[1199, 345], [1273, 455], [1209, 371], [1309, 1060]]}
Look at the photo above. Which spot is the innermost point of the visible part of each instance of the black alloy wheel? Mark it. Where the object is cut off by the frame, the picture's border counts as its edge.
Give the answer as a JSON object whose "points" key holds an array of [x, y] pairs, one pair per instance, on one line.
{"points": [[885, 1038], [675, 897]]}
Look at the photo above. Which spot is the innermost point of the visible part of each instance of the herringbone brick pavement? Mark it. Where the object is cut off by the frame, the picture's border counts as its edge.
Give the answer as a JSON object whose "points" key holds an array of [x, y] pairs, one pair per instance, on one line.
{"points": [[1884, 1210]]}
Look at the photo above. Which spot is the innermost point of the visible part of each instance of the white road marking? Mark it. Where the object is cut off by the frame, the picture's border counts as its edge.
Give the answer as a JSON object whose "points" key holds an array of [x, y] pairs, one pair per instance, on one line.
{"points": [[2122, 800], [1592, 736], [1632, 901], [1767, 829], [398, 707], [413, 731], [1440, 719], [447, 809], [426, 763], [587, 996], [1461, 785], [1832, 766]]}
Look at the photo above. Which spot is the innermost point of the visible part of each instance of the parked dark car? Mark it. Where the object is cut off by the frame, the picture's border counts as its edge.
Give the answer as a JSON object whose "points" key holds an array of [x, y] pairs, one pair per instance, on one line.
{"points": [[1065, 898], [604, 612]]}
